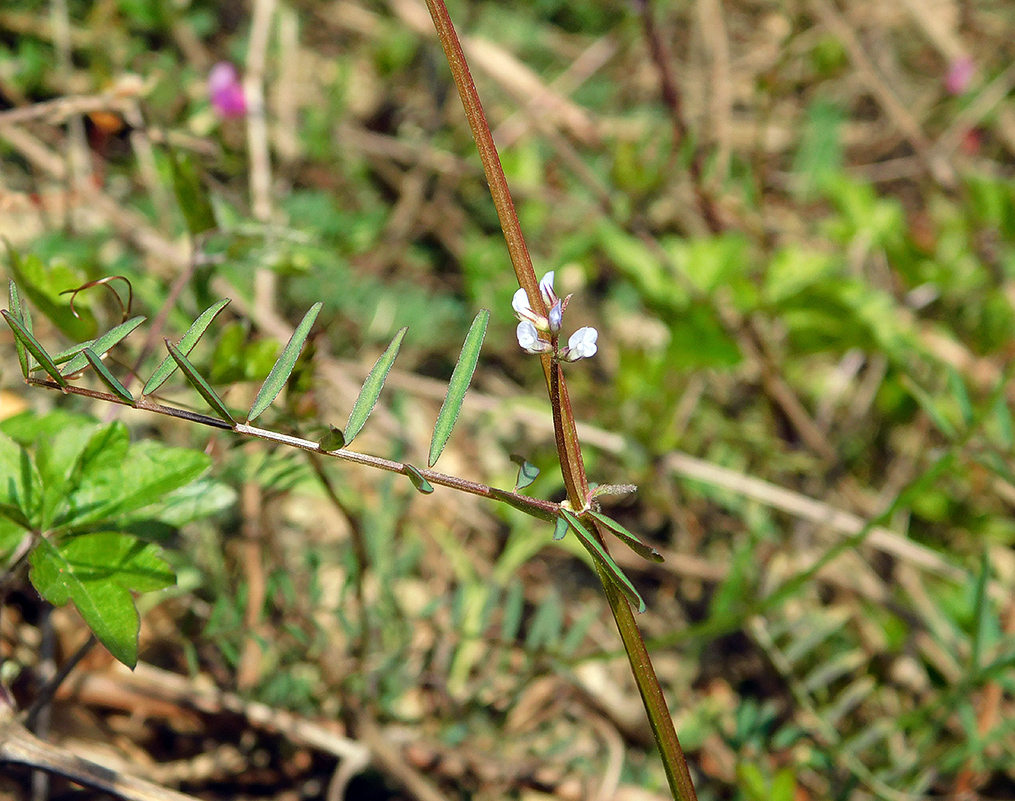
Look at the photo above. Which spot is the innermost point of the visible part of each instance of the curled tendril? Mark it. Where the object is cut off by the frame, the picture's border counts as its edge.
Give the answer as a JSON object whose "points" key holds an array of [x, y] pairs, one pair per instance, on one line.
{"points": [[124, 309]]}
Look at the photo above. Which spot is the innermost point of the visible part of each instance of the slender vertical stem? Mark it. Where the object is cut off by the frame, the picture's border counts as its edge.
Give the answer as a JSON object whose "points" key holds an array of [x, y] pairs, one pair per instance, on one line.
{"points": [[565, 430]]}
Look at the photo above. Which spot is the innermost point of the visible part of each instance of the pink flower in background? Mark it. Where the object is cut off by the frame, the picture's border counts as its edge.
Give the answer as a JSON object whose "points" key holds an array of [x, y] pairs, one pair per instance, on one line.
{"points": [[226, 91], [960, 75]]}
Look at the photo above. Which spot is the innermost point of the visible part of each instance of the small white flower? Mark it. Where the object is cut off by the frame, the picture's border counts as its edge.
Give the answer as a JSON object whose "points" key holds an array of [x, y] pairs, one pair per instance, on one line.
{"points": [[581, 344], [546, 289], [528, 338], [556, 317]]}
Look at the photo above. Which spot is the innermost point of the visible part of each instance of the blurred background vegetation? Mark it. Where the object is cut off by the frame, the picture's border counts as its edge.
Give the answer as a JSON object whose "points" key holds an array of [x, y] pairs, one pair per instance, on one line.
{"points": [[792, 222]]}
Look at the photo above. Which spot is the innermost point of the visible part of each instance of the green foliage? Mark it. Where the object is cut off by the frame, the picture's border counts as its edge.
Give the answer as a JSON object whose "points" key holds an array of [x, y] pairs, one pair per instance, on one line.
{"points": [[458, 386], [70, 489]]}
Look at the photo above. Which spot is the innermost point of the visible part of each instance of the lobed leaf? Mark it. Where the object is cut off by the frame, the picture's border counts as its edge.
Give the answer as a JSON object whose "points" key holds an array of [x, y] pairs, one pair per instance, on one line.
{"points": [[635, 543], [371, 389], [107, 377], [605, 561], [24, 336], [283, 368], [101, 344], [185, 346], [458, 386], [96, 572], [202, 386]]}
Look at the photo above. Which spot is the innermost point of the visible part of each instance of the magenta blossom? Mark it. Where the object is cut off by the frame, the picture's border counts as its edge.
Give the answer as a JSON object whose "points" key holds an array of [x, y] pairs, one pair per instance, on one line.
{"points": [[960, 75], [225, 91]]}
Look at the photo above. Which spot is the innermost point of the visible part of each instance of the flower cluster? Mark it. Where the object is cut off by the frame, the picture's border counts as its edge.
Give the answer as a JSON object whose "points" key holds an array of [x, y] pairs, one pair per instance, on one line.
{"points": [[538, 334]]}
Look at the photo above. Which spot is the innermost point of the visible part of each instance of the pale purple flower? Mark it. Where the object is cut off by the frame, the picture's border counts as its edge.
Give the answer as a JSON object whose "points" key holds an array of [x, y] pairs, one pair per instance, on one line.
{"points": [[960, 75], [226, 91], [581, 345]]}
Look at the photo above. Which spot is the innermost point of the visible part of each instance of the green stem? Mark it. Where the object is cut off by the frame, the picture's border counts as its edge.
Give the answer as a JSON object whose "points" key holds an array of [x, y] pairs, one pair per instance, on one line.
{"points": [[565, 430]]}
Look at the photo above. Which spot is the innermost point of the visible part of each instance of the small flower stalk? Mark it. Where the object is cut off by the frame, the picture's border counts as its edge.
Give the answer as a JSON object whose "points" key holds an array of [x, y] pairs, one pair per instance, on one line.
{"points": [[539, 334]]}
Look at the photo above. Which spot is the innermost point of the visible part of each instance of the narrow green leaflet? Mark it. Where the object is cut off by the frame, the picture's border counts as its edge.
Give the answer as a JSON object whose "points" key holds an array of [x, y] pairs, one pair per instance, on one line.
{"points": [[604, 560], [636, 544], [21, 313], [519, 503], [102, 344], [458, 386], [185, 345], [97, 572], [191, 194], [107, 377], [283, 368], [24, 336], [527, 472], [417, 479], [559, 529], [371, 389], [202, 386]]}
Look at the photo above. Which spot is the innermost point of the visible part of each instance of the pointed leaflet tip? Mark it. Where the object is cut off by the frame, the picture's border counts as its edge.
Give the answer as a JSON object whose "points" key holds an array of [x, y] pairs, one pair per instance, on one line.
{"points": [[371, 389], [107, 377], [604, 560], [14, 301], [202, 386], [458, 386], [185, 346], [635, 543], [24, 336], [102, 344], [283, 368]]}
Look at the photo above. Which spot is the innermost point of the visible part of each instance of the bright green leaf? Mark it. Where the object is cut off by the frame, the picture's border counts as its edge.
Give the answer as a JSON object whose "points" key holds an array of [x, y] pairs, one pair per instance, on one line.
{"points": [[102, 344], [283, 368], [185, 346], [24, 336], [644, 550], [458, 386], [604, 560], [372, 388], [107, 377], [21, 313], [96, 572], [202, 386]]}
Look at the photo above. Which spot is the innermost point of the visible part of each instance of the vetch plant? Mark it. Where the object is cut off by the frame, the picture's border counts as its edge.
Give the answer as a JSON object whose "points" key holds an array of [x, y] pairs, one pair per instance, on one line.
{"points": [[48, 542]]}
